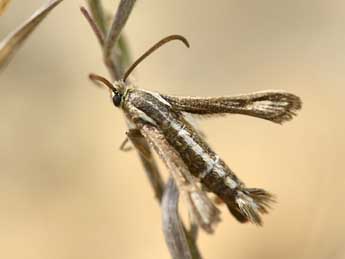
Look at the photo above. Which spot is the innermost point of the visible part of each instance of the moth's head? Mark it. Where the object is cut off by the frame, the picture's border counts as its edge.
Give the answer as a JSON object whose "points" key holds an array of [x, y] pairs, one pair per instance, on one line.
{"points": [[116, 89], [116, 96]]}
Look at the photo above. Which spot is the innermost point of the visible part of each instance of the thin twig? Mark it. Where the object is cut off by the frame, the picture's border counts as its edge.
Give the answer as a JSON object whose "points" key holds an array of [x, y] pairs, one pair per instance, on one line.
{"points": [[123, 11], [99, 34]]}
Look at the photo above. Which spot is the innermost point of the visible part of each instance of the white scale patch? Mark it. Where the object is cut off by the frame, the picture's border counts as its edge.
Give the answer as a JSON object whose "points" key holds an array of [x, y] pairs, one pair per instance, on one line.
{"points": [[145, 117], [269, 106], [158, 97], [230, 182], [182, 132]]}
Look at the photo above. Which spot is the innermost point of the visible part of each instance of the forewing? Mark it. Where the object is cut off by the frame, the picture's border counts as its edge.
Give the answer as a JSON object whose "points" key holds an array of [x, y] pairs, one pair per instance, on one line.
{"points": [[275, 106], [202, 209]]}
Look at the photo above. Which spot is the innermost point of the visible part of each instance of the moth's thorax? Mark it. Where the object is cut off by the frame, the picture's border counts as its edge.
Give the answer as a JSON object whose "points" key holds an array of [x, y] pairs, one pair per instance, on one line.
{"points": [[146, 103]]}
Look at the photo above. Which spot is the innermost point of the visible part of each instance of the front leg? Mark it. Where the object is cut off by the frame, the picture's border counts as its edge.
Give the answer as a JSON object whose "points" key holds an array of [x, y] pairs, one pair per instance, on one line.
{"points": [[124, 146]]}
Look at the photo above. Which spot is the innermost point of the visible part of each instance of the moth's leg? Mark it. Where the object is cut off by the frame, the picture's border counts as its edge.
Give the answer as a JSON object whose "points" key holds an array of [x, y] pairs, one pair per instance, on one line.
{"points": [[124, 146], [148, 161], [138, 140], [201, 207]]}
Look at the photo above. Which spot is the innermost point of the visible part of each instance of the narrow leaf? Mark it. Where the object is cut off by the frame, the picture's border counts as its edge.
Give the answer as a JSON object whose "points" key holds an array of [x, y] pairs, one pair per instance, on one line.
{"points": [[13, 41]]}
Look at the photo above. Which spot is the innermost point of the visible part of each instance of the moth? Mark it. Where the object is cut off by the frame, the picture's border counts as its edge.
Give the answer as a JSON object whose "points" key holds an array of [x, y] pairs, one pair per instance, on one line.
{"points": [[165, 121]]}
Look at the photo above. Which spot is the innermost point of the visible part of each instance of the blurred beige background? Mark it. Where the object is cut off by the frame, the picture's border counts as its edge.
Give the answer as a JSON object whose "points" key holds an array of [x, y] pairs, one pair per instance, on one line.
{"points": [[67, 192]]}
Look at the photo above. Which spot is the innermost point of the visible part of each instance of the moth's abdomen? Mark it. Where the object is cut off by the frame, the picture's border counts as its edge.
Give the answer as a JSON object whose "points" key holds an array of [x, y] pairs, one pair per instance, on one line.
{"points": [[245, 204], [199, 158]]}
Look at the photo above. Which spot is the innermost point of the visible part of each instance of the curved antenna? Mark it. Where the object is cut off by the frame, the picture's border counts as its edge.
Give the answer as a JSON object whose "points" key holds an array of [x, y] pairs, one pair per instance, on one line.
{"points": [[100, 79], [152, 49]]}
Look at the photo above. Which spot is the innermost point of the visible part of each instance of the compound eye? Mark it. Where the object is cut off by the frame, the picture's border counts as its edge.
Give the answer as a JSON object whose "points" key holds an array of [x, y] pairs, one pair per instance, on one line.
{"points": [[117, 100]]}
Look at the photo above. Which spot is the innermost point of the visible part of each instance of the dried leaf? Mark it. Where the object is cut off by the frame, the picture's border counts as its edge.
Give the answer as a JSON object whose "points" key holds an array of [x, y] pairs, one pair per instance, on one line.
{"points": [[3, 5], [13, 41]]}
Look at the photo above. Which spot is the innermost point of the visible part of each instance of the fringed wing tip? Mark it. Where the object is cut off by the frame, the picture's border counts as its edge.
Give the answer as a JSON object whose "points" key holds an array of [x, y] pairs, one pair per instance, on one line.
{"points": [[285, 109], [251, 203]]}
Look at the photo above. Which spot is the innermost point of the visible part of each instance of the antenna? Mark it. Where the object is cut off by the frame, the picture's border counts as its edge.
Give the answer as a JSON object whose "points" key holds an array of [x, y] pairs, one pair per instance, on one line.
{"points": [[100, 79], [152, 49]]}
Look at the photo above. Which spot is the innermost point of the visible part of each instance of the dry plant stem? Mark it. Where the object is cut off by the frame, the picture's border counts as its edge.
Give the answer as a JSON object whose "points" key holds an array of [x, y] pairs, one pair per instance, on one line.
{"points": [[123, 11]]}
